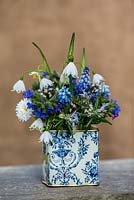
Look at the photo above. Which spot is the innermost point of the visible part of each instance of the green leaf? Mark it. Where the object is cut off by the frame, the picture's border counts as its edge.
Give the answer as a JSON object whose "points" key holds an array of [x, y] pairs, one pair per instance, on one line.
{"points": [[70, 57], [106, 121], [83, 62], [96, 103], [89, 123], [36, 85], [47, 68]]}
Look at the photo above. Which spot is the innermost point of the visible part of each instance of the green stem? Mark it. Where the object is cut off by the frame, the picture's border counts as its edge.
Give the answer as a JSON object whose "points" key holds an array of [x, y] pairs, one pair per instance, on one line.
{"points": [[47, 68], [83, 62], [70, 57]]}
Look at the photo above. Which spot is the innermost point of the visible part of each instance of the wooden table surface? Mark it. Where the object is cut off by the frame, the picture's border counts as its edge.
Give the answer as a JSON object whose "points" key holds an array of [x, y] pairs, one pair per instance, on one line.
{"points": [[24, 183]]}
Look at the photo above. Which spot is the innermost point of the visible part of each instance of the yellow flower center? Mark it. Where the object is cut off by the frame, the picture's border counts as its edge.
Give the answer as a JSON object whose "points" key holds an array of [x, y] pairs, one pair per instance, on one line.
{"points": [[35, 76], [25, 108]]}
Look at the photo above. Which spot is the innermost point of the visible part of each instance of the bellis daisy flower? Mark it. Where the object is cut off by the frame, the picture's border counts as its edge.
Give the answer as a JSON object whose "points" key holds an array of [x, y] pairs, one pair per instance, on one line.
{"points": [[22, 112], [37, 125], [45, 137], [19, 86]]}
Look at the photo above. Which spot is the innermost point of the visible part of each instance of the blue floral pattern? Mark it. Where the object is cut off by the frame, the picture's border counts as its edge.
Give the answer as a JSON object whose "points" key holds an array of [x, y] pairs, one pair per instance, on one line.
{"points": [[71, 159], [91, 169]]}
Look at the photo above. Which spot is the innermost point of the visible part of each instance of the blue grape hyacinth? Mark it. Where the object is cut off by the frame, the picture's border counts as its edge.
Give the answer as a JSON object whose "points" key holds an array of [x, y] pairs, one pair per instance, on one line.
{"points": [[84, 83], [64, 96]]}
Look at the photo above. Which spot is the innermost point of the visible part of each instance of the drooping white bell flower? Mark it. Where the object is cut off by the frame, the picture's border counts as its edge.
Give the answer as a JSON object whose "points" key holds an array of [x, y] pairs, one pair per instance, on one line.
{"points": [[22, 112], [35, 75], [37, 124], [97, 79], [46, 137], [44, 83], [70, 69], [19, 86]]}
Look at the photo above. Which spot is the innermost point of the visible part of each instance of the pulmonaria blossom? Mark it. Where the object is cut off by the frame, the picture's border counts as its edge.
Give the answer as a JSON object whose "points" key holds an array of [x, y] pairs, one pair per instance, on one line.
{"points": [[115, 111], [70, 69], [103, 107], [104, 90], [74, 119], [45, 83], [64, 96], [84, 83], [37, 125], [28, 94], [97, 79], [31, 105], [22, 112], [44, 115], [37, 113], [45, 137], [44, 74], [35, 75], [58, 108], [19, 86], [50, 110]]}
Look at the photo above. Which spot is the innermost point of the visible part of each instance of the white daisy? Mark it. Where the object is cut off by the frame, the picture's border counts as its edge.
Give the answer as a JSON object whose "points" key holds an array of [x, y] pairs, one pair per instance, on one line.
{"points": [[44, 83], [45, 137], [35, 75], [70, 69], [97, 79], [22, 112], [19, 86], [37, 124]]}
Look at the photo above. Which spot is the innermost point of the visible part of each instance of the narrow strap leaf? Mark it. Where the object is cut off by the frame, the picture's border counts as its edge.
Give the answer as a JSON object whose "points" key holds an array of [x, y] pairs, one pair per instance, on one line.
{"points": [[83, 62], [47, 68], [70, 57]]}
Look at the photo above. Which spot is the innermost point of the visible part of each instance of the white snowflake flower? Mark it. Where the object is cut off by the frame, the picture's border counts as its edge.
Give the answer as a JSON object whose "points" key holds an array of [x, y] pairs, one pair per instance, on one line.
{"points": [[70, 69], [45, 137], [22, 112], [97, 79], [35, 75], [37, 124], [19, 86], [44, 83]]}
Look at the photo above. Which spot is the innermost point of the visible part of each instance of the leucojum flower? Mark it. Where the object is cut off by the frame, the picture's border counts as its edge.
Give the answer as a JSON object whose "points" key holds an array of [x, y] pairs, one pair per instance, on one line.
{"points": [[68, 101]]}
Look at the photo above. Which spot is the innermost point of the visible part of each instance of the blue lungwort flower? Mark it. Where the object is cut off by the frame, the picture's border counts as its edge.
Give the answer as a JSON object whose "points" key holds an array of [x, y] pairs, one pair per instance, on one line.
{"points": [[58, 108], [28, 94], [115, 111], [37, 113], [31, 106]]}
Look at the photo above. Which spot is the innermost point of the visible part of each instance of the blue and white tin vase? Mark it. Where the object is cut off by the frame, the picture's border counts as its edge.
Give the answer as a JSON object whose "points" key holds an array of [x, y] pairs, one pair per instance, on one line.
{"points": [[71, 160]]}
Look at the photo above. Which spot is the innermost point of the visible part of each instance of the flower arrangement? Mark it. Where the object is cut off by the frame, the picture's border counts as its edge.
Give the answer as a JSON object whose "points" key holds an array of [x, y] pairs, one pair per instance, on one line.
{"points": [[65, 102]]}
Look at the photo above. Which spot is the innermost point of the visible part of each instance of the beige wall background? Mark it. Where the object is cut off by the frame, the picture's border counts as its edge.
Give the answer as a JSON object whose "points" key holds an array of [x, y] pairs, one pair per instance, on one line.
{"points": [[104, 27]]}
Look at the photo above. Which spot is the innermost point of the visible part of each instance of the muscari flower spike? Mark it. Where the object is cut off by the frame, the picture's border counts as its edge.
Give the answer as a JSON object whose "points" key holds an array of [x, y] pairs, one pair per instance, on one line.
{"points": [[64, 96], [84, 83]]}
